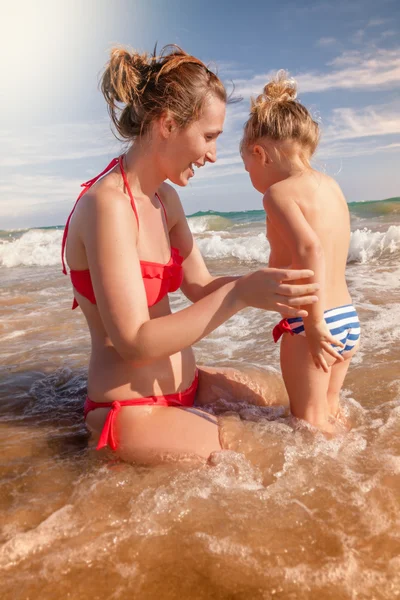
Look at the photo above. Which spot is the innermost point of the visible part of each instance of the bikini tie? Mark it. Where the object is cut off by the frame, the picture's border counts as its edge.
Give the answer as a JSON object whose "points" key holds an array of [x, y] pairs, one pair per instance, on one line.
{"points": [[282, 327], [107, 437]]}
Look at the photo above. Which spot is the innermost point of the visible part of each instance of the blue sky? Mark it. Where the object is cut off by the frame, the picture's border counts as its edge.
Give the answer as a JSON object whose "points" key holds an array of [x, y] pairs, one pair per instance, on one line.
{"points": [[55, 131]]}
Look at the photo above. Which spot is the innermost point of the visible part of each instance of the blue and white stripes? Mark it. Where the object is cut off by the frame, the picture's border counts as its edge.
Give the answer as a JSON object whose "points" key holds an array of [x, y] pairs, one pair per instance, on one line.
{"points": [[343, 323]]}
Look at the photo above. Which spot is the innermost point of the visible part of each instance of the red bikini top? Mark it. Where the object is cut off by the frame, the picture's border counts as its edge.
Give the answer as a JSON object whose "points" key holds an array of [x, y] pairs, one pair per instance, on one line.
{"points": [[158, 279]]}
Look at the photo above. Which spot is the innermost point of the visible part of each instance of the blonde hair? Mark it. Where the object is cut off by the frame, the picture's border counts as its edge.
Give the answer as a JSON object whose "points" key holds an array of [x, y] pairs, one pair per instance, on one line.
{"points": [[139, 88], [277, 115]]}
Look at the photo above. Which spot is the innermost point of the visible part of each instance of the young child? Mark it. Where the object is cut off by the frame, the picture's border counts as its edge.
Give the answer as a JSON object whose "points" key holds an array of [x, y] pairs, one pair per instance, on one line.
{"points": [[308, 226]]}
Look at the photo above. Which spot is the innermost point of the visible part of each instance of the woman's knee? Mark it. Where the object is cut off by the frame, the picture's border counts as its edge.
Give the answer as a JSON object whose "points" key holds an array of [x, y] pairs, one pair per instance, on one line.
{"points": [[248, 384]]}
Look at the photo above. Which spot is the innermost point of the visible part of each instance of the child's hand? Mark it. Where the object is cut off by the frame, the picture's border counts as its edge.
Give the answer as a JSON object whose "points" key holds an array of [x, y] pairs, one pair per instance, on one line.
{"points": [[319, 340]]}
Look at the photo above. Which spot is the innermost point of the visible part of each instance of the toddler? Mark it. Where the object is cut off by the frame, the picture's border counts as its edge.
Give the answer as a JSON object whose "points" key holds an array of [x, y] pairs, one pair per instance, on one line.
{"points": [[308, 227]]}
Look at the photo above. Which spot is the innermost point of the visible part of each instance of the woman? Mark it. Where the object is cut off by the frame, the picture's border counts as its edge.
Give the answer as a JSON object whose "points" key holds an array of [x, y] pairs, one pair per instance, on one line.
{"points": [[128, 244]]}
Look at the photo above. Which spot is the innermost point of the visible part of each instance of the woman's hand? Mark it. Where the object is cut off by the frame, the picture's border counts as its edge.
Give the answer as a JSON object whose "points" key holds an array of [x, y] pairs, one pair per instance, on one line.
{"points": [[269, 289], [319, 340]]}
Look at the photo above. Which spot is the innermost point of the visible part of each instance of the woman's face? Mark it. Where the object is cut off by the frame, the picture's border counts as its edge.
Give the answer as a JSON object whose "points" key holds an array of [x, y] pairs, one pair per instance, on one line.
{"points": [[196, 144]]}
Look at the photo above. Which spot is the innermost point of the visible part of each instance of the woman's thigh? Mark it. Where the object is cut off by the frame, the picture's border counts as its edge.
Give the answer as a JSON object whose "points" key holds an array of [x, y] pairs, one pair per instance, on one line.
{"points": [[150, 434], [249, 383], [162, 433]]}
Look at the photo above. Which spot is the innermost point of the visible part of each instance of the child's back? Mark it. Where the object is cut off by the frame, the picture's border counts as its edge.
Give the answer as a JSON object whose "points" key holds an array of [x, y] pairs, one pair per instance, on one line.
{"points": [[324, 207]]}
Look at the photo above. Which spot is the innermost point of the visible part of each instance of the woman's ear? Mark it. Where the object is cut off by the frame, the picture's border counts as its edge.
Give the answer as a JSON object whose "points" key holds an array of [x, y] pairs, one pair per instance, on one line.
{"points": [[166, 124], [261, 155]]}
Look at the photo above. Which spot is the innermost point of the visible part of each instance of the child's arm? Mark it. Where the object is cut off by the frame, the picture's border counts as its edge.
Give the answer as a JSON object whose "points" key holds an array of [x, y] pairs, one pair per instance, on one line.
{"points": [[306, 250]]}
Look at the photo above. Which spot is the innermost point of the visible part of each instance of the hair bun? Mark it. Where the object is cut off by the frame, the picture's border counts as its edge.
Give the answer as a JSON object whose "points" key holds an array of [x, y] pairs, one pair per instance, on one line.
{"points": [[281, 88], [140, 87], [126, 74]]}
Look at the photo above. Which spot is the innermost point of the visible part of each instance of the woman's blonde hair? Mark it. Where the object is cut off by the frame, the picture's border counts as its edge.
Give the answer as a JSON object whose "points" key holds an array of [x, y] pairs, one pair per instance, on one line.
{"points": [[139, 88], [277, 115]]}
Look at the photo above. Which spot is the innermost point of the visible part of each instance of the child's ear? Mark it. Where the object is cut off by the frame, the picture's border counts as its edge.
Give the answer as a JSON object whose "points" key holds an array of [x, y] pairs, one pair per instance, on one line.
{"points": [[261, 155]]}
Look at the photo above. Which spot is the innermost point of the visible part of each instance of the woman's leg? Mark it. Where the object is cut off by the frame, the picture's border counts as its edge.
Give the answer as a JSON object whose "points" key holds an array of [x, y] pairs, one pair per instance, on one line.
{"points": [[150, 434], [248, 384]]}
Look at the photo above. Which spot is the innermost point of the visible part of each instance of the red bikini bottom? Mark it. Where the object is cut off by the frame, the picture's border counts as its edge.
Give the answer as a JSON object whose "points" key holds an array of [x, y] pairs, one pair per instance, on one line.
{"points": [[107, 436]]}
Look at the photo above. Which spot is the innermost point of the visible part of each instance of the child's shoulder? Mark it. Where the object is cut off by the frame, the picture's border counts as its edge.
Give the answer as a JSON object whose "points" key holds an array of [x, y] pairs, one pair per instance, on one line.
{"points": [[297, 188]]}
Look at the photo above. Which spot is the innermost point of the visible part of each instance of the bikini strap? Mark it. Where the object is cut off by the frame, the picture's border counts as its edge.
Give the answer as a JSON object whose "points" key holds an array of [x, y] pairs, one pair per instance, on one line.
{"points": [[124, 177], [131, 195], [86, 186]]}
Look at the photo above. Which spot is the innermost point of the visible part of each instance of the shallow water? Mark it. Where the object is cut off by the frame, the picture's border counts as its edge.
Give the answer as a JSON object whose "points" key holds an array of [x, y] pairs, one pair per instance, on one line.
{"points": [[284, 513]]}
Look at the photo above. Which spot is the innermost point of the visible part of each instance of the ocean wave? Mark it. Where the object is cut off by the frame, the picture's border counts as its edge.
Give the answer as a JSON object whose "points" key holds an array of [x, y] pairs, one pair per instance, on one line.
{"points": [[365, 246], [42, 248], [245, 248], [36, 247], [375, 208], [369, 246], [202, 223]]}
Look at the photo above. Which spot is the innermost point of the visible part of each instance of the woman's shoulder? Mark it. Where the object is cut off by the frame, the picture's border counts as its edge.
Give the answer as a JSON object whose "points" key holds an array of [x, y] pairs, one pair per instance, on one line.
{"points": [[172, 203], [106, 196], [168, 194]]}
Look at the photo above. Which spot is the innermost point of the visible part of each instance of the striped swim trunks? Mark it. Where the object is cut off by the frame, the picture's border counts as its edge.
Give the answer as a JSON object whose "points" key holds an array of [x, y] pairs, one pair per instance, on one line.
{"points": [[343, 323]]}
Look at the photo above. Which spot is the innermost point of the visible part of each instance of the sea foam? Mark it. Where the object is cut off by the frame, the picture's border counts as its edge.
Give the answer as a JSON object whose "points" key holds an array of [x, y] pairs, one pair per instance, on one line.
{"points": [[40, 248]]}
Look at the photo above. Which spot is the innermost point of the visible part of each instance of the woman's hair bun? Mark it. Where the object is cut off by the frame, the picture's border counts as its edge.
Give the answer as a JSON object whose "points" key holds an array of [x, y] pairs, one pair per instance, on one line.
{"points": [[140, 87], [125, 76]]}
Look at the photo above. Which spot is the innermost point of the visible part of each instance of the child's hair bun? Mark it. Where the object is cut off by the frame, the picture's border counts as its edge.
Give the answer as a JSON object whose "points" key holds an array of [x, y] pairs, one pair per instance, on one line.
{"points": [[281, 88], [277, 114]]}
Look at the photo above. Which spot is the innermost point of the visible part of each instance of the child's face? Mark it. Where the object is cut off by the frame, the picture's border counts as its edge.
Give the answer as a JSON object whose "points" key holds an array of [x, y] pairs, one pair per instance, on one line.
{"points": [[254, 163]]}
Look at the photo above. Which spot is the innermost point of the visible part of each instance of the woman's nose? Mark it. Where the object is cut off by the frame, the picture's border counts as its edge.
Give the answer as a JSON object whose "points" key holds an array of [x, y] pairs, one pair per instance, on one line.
{"points": [[211, 155]]}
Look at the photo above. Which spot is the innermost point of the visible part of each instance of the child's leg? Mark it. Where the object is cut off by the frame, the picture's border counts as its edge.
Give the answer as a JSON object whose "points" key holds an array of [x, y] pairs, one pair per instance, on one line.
{"points": [[338, 374], [306, 385]]}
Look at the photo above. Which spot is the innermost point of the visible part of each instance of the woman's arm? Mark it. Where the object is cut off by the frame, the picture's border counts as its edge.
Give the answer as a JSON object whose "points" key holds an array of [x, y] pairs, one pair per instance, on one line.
{"points": [[110, 237], [197, 280]]}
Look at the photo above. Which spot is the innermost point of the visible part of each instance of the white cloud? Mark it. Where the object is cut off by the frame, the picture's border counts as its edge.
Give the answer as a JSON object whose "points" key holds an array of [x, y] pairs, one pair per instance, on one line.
{"points": [[351, 149], [388, 33], [377, 22], [349, 123], [47, 144], [353, 132], [325, 41], [389, 146], [27, 194], [352, 70]]}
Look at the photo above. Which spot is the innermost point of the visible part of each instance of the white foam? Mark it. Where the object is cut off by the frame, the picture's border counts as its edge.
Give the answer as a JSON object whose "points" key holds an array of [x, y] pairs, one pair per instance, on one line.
{"points": [[245, 248], [12, 335], [39, 247], [36, 247], [367, 245], [24, 544]]}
